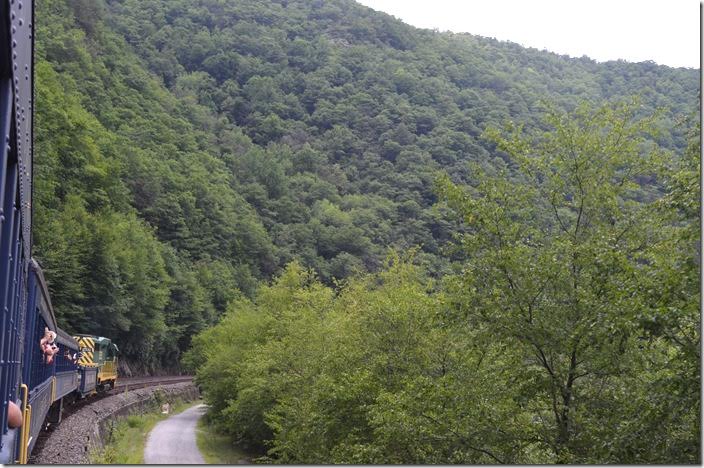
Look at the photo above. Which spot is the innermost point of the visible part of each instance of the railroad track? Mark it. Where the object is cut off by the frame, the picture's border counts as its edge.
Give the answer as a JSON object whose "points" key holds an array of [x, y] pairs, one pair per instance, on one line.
{"points": [[123, 385]]}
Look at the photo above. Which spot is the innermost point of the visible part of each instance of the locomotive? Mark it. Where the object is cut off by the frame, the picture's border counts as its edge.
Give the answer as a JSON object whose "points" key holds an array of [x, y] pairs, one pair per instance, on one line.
{"points": [[41, 366], [101, 353]]}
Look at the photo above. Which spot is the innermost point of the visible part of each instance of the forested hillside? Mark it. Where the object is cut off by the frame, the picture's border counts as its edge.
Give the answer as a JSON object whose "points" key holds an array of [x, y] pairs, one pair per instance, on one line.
{"points": [[188, 151]]}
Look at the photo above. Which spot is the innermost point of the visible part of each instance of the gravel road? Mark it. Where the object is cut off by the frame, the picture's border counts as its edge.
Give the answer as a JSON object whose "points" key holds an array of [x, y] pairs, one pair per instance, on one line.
{"points": [[173, 441]]}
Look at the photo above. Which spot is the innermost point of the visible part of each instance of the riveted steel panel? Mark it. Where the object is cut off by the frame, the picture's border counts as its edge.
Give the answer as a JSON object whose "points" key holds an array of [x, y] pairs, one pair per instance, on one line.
{"points": [[22, 43], [16, 151]]}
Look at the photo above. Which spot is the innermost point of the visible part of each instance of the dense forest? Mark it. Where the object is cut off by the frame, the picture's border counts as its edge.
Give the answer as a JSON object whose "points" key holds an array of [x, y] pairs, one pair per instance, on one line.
{"points": [[385, 244]]}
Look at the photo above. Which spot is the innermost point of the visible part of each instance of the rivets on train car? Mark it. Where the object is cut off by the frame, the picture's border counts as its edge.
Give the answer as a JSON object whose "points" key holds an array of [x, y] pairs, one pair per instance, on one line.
{"points": [[21, 21], [14, 43], [14, 29], [19, 5], [13, 15]]}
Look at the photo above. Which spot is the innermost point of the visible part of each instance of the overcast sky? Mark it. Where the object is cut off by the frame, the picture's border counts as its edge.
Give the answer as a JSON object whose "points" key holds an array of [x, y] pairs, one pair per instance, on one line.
{"points": [[666, 32]]}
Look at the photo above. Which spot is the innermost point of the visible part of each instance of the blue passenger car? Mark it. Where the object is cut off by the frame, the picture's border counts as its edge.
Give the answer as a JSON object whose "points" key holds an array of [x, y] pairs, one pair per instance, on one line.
{"points": [[47, 383], [66, 367], [16, 123], [43, 383]]}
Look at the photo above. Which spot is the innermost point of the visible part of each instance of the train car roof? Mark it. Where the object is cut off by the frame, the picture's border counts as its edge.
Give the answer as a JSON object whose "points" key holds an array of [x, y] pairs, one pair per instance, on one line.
{"points": [[49, 317], [65, 339], [37, 269]]}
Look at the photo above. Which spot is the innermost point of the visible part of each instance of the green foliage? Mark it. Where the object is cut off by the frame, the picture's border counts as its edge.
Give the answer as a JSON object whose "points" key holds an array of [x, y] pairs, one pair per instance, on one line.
{"points": [[326, 102], [110, 149], [377, 373], [216, 448], [538, 351], [562, 265]]}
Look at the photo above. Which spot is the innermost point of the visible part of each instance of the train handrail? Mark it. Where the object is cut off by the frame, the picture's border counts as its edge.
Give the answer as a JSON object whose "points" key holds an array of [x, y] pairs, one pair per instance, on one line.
{"points": [[25, 439], [26, 421]]}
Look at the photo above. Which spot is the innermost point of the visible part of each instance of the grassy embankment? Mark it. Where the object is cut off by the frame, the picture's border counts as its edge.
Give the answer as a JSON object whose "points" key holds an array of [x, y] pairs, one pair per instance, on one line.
{"points": [[129, 436], [216, 448]]}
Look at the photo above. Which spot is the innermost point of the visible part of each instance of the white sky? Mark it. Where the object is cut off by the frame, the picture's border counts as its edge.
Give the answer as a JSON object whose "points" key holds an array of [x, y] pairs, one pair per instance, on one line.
{"points": [[666, 32]]}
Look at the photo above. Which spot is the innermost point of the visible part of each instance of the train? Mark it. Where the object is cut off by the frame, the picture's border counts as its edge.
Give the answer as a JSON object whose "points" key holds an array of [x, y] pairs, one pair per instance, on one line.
{"points": [[55, 368], [41, 366]]}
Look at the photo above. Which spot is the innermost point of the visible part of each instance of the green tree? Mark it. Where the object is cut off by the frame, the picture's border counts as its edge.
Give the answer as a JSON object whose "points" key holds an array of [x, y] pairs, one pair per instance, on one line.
{"points": [[557, 263]]}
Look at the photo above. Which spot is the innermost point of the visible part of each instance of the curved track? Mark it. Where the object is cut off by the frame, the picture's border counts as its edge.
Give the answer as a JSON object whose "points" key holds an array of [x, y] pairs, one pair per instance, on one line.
{"points": [[125, 384]]}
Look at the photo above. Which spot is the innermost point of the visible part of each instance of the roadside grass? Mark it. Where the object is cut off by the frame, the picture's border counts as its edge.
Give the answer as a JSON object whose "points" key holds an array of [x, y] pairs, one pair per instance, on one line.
{"points": [[216, 448], [128, 436]]}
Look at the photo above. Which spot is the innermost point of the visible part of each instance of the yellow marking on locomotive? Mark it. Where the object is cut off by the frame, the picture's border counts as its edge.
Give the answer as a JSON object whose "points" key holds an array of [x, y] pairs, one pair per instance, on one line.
{"points": [[85, 342], [86, 358]]}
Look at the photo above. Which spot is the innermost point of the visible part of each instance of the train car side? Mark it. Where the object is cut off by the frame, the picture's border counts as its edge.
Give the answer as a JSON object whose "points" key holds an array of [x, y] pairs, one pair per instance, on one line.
{"points": [[16, 122]]}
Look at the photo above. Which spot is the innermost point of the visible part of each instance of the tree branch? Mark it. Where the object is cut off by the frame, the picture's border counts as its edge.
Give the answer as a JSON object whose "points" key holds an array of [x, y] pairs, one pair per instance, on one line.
{"points": [[464, 439]]}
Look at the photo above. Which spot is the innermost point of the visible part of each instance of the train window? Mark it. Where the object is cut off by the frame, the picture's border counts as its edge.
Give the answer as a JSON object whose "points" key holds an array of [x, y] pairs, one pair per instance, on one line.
{"points": [[40, 369]]}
